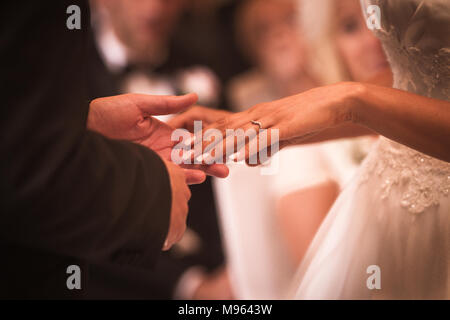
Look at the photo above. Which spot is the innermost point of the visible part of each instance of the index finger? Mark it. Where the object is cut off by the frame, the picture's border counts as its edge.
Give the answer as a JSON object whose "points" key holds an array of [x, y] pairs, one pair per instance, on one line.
{"points": [[162, 105]]}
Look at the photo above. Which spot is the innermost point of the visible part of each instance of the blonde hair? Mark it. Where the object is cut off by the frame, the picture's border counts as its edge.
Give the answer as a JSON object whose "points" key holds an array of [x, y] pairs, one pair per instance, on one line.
{"points": [[318, 25]]}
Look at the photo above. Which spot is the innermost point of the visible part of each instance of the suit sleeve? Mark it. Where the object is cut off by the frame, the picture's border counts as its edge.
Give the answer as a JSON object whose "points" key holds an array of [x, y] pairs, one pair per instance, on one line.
{"points": [[65, 189]]}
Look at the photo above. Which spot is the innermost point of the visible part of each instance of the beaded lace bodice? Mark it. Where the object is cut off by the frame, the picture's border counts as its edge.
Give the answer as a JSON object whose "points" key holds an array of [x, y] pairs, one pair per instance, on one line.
{"points": [[416, 38]]}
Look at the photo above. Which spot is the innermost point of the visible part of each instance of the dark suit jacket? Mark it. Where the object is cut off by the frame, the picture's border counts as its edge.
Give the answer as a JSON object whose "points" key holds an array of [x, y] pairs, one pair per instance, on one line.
{"points": [[68, 195]]}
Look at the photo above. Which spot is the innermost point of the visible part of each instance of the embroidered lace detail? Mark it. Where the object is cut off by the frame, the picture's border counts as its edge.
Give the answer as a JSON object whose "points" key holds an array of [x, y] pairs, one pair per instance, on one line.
{"points": [[422, 180], [416, 45], [416, 71]]}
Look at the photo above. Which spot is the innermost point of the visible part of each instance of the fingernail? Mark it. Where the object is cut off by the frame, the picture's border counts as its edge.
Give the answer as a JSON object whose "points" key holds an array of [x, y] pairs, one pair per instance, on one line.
{"points": [[190, 141], [207, 157], [234, 156], [199, 158], [187, 155]]}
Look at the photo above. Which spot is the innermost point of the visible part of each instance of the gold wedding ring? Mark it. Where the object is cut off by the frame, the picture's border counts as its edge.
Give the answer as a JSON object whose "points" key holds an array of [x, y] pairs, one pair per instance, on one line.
{"points": [[259, 124]]}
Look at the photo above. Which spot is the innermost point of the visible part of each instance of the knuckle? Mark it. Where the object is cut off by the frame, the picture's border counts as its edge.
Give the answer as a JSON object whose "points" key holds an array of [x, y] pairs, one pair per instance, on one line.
{"points": [[222, 122], [95, 102], [257, 107]]}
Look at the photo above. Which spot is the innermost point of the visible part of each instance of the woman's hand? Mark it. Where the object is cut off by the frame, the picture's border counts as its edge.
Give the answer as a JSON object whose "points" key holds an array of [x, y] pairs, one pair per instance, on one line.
{"points": [[186, 119], [297, 117]]}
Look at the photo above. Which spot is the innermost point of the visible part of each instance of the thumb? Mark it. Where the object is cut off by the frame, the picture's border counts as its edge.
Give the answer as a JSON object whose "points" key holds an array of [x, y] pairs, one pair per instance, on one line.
{"points": [[160, 105], [194, 176]]}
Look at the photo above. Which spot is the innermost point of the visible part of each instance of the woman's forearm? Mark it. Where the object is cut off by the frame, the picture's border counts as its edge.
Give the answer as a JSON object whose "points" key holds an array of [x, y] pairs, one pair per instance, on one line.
{"points": [[340, 110], [347, 130], [419, 122]]}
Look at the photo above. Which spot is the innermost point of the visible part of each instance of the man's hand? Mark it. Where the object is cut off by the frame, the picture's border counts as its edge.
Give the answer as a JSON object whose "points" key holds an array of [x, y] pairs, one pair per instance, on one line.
{"points": [[180, 197], [129, 117]]}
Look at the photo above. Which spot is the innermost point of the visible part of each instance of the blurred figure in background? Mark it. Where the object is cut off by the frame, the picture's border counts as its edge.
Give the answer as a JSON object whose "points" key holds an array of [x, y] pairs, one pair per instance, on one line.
{"points": [[135, 41], [206, 32], [340, 44], [268, 34]]}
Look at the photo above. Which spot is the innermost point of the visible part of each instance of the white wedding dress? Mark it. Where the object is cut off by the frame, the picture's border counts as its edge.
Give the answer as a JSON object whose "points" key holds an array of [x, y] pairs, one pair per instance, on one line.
{"points": [[395, 213]]}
